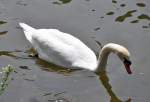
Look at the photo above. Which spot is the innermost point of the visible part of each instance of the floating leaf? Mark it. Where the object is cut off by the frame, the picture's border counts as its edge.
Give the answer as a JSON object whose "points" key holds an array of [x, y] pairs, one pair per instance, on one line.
{"points": [[3, 32], [102, 17], [134, 21], [58, 3], [145, 27], [110, 13], [59, 93], [46, 94], [88, 0], [122, 5], [62, 2], [29, 79], [2, 22], [114, 1], [22, 3], [96, 29], [141, 4], [100, 44], [24, 67], [126, 15], [65, 1], [144, 16], [7, 53], [93, 10]]}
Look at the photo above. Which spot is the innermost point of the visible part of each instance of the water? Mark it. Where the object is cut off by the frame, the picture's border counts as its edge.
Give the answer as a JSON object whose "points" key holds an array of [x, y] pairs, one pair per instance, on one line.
{"points": [[88, 20]]}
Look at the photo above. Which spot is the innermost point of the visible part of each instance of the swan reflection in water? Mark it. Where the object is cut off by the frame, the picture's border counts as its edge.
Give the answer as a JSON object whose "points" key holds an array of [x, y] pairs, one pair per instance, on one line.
{"points": [[105, 81], [46, 66], [67, 71]]}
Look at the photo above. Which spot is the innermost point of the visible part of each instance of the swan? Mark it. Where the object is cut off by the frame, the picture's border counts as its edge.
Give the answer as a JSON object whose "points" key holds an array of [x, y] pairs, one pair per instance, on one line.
{"points": [[68, 51]]}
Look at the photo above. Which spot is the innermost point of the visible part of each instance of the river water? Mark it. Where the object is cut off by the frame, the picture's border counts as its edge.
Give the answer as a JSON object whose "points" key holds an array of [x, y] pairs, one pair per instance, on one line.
{"points": [[124, 22]]}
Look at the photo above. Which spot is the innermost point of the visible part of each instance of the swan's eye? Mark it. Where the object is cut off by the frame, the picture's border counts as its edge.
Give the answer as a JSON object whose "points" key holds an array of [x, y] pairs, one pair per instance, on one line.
{"points": [[127, 61]]}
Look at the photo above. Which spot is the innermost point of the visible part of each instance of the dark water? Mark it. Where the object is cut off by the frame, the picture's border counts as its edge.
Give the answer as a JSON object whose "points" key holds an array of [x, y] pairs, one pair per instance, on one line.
{"points": [[123, 22]]}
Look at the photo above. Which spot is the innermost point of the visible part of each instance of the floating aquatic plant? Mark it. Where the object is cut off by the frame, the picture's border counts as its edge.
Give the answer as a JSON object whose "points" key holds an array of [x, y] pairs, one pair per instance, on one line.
{"points": [[24, 67], [144, 16], [6, 71], [122, 5], [7, 53], [96, 29], [2, 22], [3, 32], [62, 2], [21, 3], [110, 13], [135, 21], [141, 4], [126, 15], [114, 1], [145, 26]]}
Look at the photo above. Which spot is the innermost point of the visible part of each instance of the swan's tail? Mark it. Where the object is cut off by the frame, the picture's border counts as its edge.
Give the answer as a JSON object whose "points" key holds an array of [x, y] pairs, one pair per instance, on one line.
{"points": [[28, 31]]}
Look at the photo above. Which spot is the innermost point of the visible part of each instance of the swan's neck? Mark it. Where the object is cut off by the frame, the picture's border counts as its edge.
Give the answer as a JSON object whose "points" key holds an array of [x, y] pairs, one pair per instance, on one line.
{"points": [[103, 56]]}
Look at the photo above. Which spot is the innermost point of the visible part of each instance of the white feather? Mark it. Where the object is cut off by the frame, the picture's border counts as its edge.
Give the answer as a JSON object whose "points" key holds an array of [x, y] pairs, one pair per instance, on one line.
{"points": [[60, 48]]}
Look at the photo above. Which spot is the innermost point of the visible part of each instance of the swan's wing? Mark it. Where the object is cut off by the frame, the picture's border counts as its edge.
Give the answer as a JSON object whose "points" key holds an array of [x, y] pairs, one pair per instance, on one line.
{"points": [[62, 49], [52, 50]]}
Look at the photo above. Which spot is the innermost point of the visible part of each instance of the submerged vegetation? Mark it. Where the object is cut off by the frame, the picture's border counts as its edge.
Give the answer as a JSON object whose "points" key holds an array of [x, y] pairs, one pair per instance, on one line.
{"points": [[5, 76]]}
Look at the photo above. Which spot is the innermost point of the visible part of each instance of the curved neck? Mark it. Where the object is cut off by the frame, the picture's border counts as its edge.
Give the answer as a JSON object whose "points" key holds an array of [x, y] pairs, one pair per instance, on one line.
{"points": [[103, 56]]}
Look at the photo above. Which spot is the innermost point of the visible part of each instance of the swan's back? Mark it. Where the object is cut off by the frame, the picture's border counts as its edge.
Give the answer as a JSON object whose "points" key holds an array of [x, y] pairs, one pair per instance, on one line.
{"points": [[60, 48]]}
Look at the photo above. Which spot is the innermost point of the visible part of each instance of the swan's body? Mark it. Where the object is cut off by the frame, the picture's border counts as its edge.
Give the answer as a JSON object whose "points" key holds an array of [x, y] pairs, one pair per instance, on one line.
{"points": [[68, 51]]}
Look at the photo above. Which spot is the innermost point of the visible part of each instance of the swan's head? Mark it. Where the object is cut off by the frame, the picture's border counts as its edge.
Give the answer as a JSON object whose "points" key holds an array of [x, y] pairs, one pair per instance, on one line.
{"points": [[124, 55]]}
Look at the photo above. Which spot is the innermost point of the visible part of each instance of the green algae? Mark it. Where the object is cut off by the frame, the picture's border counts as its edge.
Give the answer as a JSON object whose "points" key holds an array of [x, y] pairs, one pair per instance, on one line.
{"points": [[110, 13], [135, 21], [140, 4], [122, 5], [62, 2], [3, 32], [144, 16], [124, 16], [114, 1], [2, 22]]}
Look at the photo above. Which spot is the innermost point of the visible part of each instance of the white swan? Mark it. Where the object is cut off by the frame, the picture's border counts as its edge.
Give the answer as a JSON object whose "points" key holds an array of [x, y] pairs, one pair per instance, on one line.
{"points": [[68, 51]]}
